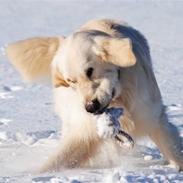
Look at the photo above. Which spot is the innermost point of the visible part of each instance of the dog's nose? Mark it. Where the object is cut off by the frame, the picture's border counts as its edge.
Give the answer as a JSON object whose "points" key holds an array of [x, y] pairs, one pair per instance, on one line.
{"points": [[93, 106]]}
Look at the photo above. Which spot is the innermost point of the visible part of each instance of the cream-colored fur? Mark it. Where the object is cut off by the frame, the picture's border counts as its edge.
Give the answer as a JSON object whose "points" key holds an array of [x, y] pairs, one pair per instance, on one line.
{"points": [[121, 61], [32, 57]]}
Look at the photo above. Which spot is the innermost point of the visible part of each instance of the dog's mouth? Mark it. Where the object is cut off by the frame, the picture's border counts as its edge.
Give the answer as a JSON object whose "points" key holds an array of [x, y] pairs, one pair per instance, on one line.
{"points": [[93, 108], [96, 107], [102, 110]]}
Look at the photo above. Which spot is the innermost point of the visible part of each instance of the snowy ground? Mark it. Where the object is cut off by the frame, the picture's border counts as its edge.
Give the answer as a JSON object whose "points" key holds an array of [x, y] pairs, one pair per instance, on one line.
{"points": [[29, 131]]}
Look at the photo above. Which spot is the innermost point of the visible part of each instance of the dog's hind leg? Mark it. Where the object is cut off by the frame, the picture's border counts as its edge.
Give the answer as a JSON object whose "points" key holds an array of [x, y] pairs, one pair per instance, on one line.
{"points": [[73, 154], [167, 138]]}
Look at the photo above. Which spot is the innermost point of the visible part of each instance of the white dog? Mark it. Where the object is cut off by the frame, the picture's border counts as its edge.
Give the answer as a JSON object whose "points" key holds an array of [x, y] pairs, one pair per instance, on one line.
{"points": [[104, 63]]}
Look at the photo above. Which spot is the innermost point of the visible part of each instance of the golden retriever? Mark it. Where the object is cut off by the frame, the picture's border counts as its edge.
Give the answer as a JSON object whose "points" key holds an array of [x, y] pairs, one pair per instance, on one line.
{"points": [[104, 63]]}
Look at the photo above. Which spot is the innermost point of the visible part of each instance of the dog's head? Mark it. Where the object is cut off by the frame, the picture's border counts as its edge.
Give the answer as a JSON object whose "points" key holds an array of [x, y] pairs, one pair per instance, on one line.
{"points": [[87, 61], [90, 62]]}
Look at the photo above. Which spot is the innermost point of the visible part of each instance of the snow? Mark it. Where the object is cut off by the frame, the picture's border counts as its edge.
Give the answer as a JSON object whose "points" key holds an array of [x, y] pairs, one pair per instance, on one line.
{"points": [[29, 131]]}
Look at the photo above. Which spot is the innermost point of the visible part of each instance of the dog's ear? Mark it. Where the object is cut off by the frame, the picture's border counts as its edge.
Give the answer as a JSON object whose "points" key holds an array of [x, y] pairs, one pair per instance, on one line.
{"points": [[32, 57], [57, 79], [117, 51]]}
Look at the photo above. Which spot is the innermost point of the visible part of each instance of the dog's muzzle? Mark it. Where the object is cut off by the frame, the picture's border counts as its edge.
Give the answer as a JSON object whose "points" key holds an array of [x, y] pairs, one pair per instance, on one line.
{"points": [[93, 106]]}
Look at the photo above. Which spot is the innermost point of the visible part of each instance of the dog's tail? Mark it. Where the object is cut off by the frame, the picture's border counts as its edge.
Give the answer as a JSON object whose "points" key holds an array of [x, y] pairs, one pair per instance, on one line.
{"points": [[33, 57]]}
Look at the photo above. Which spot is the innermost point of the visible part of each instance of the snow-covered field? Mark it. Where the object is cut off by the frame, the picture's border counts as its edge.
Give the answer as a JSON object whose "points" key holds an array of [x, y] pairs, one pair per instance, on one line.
{"points": [[29, 130]]}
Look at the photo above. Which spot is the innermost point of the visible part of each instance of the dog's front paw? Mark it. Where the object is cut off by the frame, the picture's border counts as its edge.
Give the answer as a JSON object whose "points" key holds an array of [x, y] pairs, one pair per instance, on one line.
{"points": [[106, 128]]}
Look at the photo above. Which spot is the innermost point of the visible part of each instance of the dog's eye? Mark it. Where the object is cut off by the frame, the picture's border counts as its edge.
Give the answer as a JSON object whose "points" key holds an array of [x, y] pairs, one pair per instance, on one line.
{"points": [[89, 72]]}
